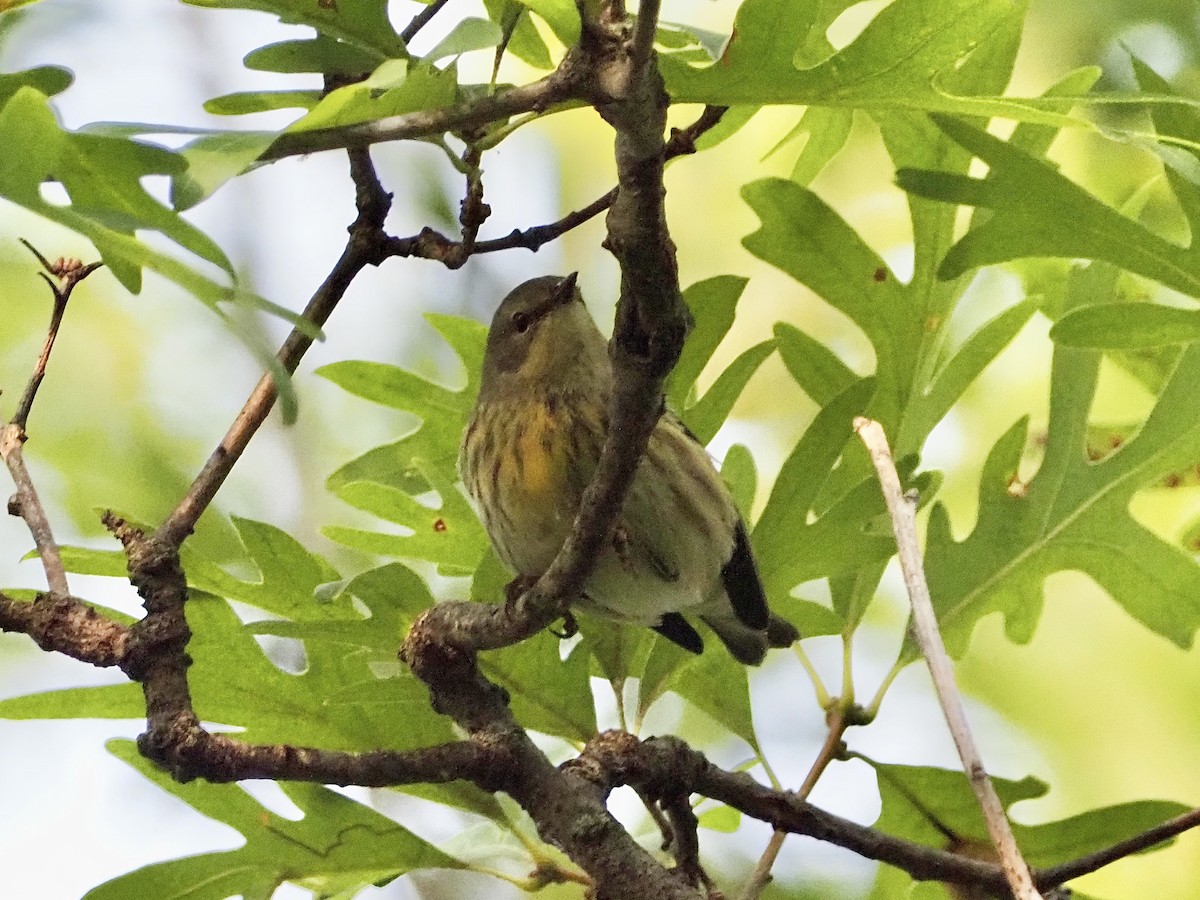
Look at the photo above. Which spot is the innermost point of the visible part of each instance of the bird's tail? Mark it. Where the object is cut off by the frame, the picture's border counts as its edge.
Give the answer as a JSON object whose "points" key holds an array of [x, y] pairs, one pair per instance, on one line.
{"points": [[749, 645]]}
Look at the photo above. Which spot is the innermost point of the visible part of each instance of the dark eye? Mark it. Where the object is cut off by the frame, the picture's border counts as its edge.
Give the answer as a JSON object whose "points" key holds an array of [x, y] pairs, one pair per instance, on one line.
{"points": [[520, 322]]}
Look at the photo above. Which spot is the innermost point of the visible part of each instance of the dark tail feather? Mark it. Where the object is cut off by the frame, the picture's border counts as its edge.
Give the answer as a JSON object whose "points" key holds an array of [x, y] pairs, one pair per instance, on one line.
{"points": [[781, 632], [676, 629], [743, 586], [749, 645]]}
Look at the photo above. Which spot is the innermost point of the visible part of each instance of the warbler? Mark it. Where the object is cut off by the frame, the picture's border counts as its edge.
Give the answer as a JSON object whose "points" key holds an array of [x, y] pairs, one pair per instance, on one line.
{"points": [[679, 547]]}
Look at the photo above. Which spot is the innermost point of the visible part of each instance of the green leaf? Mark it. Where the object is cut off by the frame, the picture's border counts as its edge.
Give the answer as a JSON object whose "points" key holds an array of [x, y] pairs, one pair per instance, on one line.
{"points": [[897, 62], [289, 576], [549, 694], [937, 807], [712, 303], [663, 661], [1090, 832], [48, 80], [213, 160], [1127, 326], [823, 131], [561, 15], [808, 240], [395, 88], [338, 845], [924, 804], [717, 684], [618, 649], [90, 561], [247, 102], [724, 819], [741, 476], [103, 176], [1074, 513], [963, 367], [1030, 203], [321, 54], [111, 701], [362, 24], [706, 416], [818, 370], [468, 34], [689, 43], [449, 534], [392, 481], [524, 42], [778, 533]]}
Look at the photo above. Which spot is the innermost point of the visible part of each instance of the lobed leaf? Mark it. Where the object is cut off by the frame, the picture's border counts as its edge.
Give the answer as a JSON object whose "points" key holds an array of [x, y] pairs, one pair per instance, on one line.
{"points": [[338, 845]]}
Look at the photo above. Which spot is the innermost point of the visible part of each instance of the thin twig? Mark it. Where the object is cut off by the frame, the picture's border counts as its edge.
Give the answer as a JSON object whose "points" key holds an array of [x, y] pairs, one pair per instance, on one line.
{"points": [[68, 272], [430, 244], [761, 876], [1085, 865], [366, 246], [420, 20], [830, 750], [643, 36], [28, 506], [903, 514]]}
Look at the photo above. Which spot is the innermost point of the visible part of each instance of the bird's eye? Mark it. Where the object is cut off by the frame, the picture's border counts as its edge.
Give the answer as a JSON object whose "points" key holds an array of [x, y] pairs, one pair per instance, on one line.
{"points": [[520, 322]]}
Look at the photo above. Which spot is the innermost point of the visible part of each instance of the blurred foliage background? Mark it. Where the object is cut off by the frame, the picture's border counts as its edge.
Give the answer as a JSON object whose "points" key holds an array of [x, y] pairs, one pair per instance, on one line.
{"points": [[1103, 711]]}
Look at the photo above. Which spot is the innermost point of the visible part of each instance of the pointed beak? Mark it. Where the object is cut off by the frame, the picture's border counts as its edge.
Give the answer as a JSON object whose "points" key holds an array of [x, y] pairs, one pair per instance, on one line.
{"points": [[565, 292]]}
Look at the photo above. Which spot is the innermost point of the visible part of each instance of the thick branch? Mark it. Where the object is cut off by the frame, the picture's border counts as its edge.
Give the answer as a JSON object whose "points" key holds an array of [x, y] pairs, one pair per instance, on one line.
{"points": [[569, 810], [441, 647], [65, 625]]}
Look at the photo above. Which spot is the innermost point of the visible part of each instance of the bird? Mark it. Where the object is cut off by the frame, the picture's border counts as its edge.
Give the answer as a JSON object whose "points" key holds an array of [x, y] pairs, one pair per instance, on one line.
{"points": [[679, 549]]}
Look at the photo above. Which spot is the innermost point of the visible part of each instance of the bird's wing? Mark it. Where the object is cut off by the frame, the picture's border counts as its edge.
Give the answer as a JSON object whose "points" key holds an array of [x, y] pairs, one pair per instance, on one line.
{"points": [[742, 584]]}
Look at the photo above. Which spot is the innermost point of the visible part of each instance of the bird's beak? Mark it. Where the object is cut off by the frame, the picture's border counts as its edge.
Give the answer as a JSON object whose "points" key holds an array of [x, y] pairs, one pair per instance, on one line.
{"points": [[565, 292]]}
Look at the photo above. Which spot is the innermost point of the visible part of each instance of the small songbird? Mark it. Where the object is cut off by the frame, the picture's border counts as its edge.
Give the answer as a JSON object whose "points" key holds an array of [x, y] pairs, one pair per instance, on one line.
{"points": [[679, 547]]}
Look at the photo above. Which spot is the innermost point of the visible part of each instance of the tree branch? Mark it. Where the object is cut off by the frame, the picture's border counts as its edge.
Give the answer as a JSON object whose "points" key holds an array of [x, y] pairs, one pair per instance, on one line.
{"points": [[903, 514], [430, 244], [651, 323], [560, 86], [366, 246], [28, 506], [66, 625], [662, 769], [420, 20], [68, 272]]}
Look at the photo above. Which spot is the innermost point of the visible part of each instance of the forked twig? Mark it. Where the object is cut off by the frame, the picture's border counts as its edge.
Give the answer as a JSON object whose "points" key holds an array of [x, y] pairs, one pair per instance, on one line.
{"points": [[68, 272], [26, 504]]}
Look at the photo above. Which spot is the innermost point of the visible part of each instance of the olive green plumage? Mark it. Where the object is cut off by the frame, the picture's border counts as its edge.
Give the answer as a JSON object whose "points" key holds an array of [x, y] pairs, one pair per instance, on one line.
{"points": [[679, 548]]}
